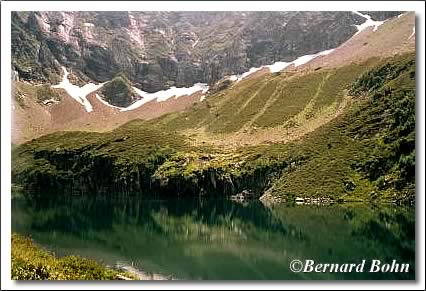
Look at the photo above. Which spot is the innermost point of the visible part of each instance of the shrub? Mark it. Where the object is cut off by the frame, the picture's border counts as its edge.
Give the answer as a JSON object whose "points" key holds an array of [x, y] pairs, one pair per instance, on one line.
{"points": [[31, 263], [45, 92]]}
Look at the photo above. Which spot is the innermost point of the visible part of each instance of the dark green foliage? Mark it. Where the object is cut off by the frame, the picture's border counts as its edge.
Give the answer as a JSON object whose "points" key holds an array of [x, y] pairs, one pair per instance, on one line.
{"points": [[372, 145], [391, 115], [119, 91], [376, 78], [45, 92], [78, 162]]}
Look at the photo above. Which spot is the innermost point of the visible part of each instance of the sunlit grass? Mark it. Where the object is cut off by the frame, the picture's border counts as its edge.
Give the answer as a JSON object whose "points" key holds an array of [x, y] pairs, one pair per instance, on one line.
{"points": [[29, 262]]}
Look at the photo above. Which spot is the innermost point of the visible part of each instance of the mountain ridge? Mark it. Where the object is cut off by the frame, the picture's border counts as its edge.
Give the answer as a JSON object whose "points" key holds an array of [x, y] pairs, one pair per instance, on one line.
{"points": [[157, 50]]}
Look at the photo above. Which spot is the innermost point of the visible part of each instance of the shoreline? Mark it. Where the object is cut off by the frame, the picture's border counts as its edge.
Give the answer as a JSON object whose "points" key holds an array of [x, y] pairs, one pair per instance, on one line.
{"points": [[30, 262], [141, 275]]}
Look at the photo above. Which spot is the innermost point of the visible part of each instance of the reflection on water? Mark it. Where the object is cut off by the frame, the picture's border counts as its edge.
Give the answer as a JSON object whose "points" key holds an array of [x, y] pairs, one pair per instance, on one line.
{"points": [[221, 239]]}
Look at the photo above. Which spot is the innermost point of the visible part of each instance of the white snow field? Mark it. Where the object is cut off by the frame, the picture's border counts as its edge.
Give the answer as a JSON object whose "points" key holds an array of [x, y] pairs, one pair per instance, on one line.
{"points": [[279, 66], [368, 22], [78, 93], [165, 94], [307, 58], [413, 33]]}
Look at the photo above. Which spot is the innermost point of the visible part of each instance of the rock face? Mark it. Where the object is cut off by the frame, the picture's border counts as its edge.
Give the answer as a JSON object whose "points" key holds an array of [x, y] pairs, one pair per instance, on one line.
{"points": [[119, 91], [381, 15], [157, 50]]}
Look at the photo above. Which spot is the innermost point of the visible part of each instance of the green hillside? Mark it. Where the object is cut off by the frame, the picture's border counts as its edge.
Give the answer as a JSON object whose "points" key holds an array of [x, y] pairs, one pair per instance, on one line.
{"points": [[346, 133], [268, 101]]}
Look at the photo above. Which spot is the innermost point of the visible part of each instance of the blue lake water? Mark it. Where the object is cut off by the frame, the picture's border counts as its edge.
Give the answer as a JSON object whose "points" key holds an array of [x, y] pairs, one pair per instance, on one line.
{"points": [[221, 239]]}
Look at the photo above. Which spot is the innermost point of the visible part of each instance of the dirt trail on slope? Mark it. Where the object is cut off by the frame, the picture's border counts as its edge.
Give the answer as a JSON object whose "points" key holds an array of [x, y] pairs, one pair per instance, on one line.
{"points": [[279, 134], [271, 100], [251, 98]]}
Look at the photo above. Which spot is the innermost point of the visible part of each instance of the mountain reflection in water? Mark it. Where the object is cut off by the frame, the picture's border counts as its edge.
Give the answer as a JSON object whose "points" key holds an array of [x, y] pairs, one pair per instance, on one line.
{"points": [[220, 239]]}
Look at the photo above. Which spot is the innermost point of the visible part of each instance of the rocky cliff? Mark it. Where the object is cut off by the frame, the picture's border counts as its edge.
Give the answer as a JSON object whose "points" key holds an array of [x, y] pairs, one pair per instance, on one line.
{"points": [[119, 91], [157, 50]]}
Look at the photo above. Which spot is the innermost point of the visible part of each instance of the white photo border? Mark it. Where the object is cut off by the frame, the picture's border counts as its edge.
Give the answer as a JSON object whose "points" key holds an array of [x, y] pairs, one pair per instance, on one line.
{"points": [[7, 7]]}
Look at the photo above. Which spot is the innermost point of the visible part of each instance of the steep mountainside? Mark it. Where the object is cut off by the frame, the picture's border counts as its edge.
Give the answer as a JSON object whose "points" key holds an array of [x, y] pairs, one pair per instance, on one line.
{"points": [[365, 150], [76, 111], [158, 50], [337, 125]]}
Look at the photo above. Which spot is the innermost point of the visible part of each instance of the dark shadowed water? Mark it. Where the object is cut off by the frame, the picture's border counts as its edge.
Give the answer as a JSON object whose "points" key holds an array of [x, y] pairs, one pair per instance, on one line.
{"points": [[221, 239]]}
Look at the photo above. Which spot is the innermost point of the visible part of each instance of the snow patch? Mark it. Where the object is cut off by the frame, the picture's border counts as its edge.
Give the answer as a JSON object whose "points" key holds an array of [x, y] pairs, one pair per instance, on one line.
{"points": [[413, 33], [195, 43], [278, 66], [162, 32], [15, 75], [307, 58], [78, 93], [163, 95], [368, 22], [402, 14], [249, 72], [50, 102], [202, 98], [88, 24]]}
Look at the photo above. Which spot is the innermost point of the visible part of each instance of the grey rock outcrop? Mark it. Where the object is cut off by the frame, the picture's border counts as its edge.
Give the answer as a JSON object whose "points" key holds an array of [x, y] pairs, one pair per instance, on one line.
{"points": [[157, 50]]}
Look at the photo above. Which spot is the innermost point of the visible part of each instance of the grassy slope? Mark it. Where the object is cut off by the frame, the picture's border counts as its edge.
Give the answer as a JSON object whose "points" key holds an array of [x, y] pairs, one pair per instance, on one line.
{"points": [[278, 96], [129, 145], [38, 94], [336, 159], [31, 263], [368, 152]]}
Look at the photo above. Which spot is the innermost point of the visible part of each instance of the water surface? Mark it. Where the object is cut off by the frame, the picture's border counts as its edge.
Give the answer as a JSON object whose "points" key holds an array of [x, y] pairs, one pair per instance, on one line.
{"points": [[221, 239]]}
